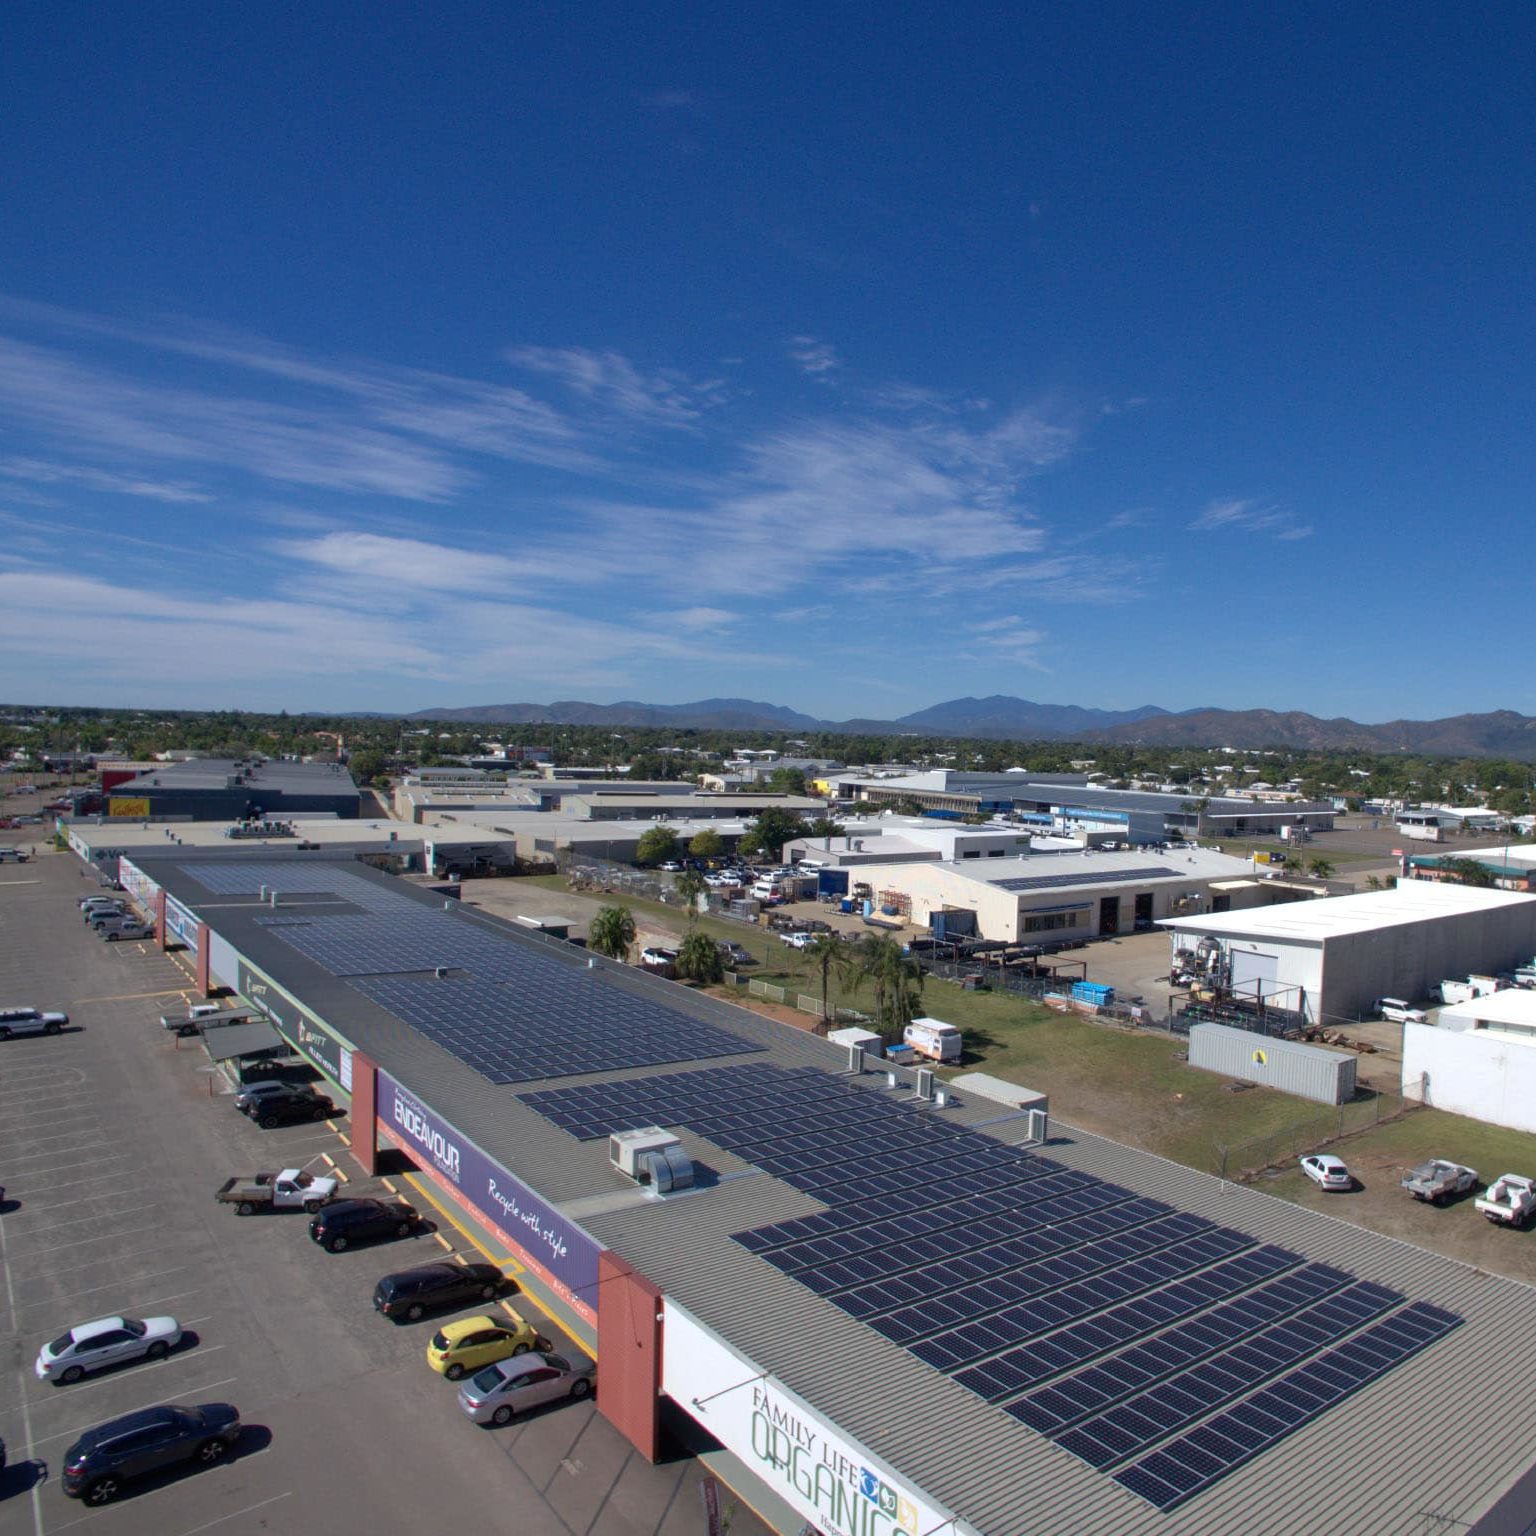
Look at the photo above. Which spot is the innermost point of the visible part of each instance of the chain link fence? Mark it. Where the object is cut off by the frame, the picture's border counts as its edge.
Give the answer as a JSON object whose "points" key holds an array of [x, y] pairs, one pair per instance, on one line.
{"points": [[1243, 1160]]}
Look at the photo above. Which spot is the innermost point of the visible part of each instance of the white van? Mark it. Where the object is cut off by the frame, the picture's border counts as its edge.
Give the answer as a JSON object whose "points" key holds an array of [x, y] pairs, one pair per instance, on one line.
{"points": [[934, 1039], [1400, 1011]]}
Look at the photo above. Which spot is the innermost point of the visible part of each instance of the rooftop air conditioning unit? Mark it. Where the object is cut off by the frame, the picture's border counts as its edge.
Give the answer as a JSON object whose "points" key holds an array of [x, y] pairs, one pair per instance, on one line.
{"points": [[651, 1156]]}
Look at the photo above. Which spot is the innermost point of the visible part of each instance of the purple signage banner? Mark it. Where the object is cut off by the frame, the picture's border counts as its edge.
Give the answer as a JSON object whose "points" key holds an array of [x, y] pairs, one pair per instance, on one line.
{"points": [[562, 1252]]}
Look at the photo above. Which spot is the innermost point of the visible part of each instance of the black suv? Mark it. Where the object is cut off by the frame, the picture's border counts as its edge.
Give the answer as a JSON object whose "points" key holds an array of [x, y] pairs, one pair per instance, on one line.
{"points": [[409, 1293], [98, 1464], [286, 1103], [345, 1222]]}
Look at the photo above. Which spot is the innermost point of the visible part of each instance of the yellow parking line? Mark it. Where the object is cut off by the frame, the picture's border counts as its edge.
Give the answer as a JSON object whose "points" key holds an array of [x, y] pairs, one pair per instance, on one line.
{"points": [[423, 1187], [128, 997]]}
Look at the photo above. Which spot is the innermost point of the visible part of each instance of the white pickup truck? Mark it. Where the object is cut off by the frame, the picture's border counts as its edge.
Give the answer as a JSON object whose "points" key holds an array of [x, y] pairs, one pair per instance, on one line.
{"points": [[1510, 1200], [190, 1022], [291, 1190]]}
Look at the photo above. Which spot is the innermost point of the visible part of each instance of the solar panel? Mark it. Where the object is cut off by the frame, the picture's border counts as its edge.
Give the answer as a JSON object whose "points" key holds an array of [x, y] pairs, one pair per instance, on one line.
{"points": [[1176, 1472], [559, 1024]]}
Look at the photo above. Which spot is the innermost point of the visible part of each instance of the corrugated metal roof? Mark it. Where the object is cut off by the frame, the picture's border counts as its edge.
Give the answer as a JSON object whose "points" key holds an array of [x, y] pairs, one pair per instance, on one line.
{"points": [[1361, 1468]]}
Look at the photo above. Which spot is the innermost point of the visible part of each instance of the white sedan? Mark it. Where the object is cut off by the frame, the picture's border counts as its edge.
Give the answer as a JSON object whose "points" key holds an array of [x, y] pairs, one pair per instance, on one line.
{"points": [[1327, 1171], [107, 1341]]}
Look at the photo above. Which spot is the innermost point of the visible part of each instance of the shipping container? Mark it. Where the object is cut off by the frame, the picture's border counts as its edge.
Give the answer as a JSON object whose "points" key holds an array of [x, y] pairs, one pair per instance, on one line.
{"points": [[1307, 1071]]}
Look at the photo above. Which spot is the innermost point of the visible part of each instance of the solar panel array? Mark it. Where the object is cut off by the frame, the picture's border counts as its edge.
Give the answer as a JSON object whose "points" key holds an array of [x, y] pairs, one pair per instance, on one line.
{"points": [[1159, 1347], [548, 1022], [512, 1011], [1084, 877]]}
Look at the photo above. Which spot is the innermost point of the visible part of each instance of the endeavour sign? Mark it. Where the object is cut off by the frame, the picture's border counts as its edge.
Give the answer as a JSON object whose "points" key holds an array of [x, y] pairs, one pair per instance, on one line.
{"points": [[555, 1248], [831, 1480]]}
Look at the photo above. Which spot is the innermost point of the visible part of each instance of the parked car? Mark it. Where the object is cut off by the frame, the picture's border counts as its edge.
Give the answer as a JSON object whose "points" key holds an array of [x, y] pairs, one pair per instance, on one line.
{"points": [[296, 1101], [470, 1344], [670, 867], [290, 1190], [1399, 1011], [798, 939], [1438, 1180], [347, 1222], [662, 961], [500, 1392], [735, 954], [30, 1021], [1327, 1171], [409, 1294], [91, 906], [107, 1341], [253, 1098], [114, 928], [1510, 1201], [103, 1459]]}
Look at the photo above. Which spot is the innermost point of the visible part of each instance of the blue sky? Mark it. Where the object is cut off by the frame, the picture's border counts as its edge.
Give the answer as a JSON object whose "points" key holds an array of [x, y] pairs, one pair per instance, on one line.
{"points": [[851, 357]]}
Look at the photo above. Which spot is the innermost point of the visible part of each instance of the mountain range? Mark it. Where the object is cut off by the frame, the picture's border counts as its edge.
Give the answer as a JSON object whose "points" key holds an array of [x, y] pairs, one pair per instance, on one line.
{"points": [[1501, 733]]}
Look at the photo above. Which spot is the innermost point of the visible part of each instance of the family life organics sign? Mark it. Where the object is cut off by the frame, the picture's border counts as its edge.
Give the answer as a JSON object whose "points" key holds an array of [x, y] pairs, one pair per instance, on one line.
{"points": [[555, 1249], [833, 1482]]}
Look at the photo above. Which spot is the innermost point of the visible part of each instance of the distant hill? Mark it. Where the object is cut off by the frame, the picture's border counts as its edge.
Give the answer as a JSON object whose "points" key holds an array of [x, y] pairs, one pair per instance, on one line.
{"points": [[1020, 719], [1502, 733]]}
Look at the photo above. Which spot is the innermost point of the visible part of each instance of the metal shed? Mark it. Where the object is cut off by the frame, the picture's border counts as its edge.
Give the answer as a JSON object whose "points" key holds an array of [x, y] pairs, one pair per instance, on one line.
{"points": [[1308, 1071]]}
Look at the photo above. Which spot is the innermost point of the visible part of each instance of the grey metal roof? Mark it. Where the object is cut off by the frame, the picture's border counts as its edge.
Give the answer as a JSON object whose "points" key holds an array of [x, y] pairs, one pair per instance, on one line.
{"points": [[1360, 1468], [253, 1039]]}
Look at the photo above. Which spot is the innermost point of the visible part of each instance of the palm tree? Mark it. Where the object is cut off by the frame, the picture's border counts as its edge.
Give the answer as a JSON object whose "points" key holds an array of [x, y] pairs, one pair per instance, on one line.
{"points": [[1320, 868], [612, 932], [699, 959], [896, 978], [689, 887], [828, 953]]}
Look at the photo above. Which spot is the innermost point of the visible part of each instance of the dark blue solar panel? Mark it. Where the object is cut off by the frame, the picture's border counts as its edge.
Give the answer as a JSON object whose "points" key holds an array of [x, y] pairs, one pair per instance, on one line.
{"points": [[1176, 1472]]}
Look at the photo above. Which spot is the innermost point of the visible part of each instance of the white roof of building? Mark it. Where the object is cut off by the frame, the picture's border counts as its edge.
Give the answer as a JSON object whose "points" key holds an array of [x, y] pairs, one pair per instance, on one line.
{"points": [[1309, 922], [1514, 1005], [1067, 870]]}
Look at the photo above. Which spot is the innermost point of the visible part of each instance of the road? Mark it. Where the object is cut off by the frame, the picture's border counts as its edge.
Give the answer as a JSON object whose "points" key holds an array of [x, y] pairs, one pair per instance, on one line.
{"points": [[113, 1137]]}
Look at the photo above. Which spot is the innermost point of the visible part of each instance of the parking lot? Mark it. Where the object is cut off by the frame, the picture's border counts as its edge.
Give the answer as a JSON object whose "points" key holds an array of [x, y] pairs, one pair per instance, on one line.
{"points": [[113, 1138]]}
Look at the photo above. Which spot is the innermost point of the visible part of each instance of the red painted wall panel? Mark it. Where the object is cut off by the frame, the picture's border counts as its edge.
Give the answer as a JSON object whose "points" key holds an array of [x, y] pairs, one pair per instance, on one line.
{"points": [[202, 960], [162, 933], [365, 1099], [629, 1354]]}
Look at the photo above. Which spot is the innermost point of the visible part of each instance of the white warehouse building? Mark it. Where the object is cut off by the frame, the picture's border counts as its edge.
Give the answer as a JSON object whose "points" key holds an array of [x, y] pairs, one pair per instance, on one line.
{"points": [[1479, 1059], [1333, 958]]}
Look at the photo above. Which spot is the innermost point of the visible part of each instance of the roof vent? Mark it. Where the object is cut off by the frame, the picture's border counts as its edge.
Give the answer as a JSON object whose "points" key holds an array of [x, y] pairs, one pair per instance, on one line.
{"points": [[440, 971], [651, 1156]]}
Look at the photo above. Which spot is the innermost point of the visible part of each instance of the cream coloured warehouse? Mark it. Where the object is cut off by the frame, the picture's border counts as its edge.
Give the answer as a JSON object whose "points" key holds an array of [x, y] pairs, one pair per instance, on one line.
{"points": [[1332, 959], [1478, 1059], [1062, 894]]}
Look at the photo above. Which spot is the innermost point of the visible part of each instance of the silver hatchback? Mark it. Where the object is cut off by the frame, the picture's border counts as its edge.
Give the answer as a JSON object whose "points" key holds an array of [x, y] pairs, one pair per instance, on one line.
{"points": [[501, 1391]]}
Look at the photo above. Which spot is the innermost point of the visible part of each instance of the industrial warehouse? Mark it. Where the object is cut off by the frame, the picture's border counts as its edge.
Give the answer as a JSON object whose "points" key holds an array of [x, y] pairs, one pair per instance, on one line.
{"points": [[898, 1305]]}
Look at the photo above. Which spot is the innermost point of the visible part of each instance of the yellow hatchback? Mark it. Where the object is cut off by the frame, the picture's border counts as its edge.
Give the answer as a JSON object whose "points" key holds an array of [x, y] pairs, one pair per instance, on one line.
{"points": [[460, 1347]]}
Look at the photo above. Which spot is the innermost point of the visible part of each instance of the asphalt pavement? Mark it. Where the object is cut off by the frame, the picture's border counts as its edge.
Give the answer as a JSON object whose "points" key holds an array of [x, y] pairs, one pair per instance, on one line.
{"points": [[113, 1138]]}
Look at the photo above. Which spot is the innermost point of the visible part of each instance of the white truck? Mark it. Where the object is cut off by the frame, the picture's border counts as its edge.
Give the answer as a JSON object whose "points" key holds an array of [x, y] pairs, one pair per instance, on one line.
{"points": [[1439, 1180], [190, 1022], [1510, 1201], [291, 1190]]}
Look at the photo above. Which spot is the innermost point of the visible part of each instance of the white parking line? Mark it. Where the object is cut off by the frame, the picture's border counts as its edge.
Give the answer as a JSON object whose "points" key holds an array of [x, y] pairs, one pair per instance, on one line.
{"points": [[33, 1209], [92, 1178], [21, 1372], [37, 1141], [208, 1525], [85, 1242], [48, 1116], [143, 1306], [90, 1162], [154, 1402], [86, 1146], [121, 1210]]}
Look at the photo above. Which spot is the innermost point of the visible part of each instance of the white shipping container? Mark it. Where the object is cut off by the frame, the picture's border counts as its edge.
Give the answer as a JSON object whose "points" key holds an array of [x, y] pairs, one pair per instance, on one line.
{"points": [[1308, 1071]]}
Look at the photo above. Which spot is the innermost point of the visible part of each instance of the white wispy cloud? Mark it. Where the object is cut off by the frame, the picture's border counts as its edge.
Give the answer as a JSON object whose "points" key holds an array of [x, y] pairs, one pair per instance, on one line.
{"points": [[663, 397], [40, 472], [1009, 639], [813, 357], [1247, 515]]}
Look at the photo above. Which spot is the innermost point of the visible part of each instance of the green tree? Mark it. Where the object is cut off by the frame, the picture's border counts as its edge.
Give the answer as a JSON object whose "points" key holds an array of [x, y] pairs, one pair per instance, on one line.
{"points": [[787, 781], [656, 846], [700, 960], [1320, 867], [823, 826], [1467, 872], [707, 844], [830, 954], [897, 981], [689, 887], [367, 766], [612, 932], [773, 828]]}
